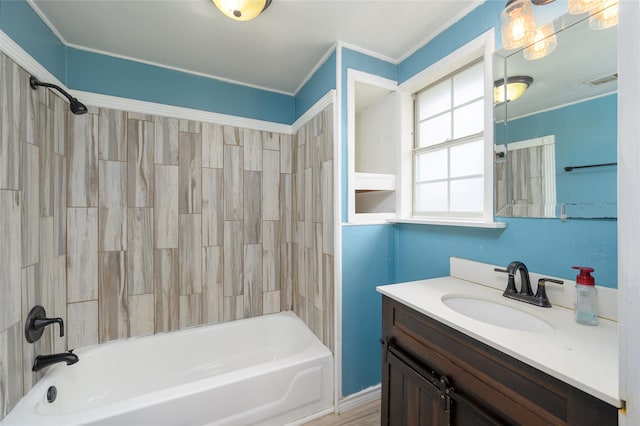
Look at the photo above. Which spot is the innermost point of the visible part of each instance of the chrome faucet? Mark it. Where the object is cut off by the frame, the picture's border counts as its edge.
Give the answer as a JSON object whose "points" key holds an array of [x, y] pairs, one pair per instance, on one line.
{"points": [[43, 361], [526, 294]]}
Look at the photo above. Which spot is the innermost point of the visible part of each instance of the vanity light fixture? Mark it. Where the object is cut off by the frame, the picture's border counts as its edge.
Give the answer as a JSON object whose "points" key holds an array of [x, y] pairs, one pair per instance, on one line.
{"points": [[607, 17], [577, 7], [543, 43], [518, 24], [515, 87], [242, 10]]}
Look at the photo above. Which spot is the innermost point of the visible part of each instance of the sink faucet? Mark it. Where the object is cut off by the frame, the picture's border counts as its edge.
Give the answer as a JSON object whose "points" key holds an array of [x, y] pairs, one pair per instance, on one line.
{"points": [[43, 361], [525, 294]]}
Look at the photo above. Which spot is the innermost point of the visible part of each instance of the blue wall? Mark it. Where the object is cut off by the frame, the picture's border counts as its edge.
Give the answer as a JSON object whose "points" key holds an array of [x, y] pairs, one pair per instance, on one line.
{"points": [[323, 80], [422, 251], [585, 133]]}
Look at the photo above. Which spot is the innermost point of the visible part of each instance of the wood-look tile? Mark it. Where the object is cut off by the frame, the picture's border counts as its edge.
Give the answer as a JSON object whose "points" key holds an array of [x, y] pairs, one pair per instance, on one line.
{"points": [[308, 212], [10, 371], [190, 254], [60, 204], [252, 150], [316, 323], [233, 136], [212, 285], [141, 314], [165, 211], [252, 207], [140, 160], [316, 184], [252, 280], [270, 302], [30, 298], [82, 154], [82, 328], [299, 187], [286, 276], [46, 162], [9, 124], [167, 290], [113, 206], [190, 126], [327, 207], [212, 145], [302, 264], [233, 258], [139, 116], [364, 415], [271, 255], [28, 112], [233, 182], [140, 251], [60, 109], [329, 291], [233, 308], [48, 275], [327, 147], [271, 185], [271, 141], [30, 204], [318, 282], [212, 207], [190, 310], [82, 254], [166, 140], [58, 299], [114, 313], [112, 135], [190, 173], [286, 151], [286, 212]]}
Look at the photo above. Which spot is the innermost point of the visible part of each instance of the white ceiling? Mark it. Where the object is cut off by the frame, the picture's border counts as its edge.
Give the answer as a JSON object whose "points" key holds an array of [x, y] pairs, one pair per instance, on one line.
{"points": [[276, 51]]}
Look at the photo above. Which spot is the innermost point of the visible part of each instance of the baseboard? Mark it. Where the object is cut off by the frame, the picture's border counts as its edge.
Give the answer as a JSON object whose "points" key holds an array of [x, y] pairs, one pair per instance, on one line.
{"points": [[356, 400]]}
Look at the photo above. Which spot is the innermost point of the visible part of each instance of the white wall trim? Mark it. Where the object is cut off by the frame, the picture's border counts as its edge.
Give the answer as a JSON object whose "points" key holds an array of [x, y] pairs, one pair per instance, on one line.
{"points": [[361, 398], [328, 99], [368, 52], [144, 107], [337, 228]]}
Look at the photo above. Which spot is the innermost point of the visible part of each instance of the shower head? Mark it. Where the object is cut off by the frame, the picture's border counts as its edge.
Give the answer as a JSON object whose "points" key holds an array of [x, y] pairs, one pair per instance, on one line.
{"points": [[75, 105]]}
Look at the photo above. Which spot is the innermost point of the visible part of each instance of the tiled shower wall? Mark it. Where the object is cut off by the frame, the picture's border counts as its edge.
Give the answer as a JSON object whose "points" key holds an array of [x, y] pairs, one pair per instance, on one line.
{"points": [[126, 224]]}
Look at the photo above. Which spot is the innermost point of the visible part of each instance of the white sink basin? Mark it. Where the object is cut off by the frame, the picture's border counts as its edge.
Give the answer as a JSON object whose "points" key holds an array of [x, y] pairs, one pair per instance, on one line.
{"points": [[496, 313]]}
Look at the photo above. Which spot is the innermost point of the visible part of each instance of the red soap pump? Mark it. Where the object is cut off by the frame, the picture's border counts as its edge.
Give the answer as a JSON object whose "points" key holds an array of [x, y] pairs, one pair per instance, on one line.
{"points": [[585, 307]]}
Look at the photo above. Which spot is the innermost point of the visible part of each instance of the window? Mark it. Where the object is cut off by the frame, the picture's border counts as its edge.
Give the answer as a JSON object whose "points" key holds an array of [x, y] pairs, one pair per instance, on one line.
{"points": [[449, 146]]}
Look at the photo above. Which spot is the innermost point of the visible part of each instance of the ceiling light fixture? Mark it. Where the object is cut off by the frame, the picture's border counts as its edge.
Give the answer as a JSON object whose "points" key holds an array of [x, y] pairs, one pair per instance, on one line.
{"points": [[543, 43], [242, 10], [511, 91]]}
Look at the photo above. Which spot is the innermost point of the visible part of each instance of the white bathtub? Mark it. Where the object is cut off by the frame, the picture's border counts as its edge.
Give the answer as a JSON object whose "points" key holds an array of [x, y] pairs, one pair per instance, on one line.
{"points": [[267, 370]]}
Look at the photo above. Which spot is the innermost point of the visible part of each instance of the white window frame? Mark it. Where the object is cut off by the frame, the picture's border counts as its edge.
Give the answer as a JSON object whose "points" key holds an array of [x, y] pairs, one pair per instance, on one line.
{"points": [[481, 47]]}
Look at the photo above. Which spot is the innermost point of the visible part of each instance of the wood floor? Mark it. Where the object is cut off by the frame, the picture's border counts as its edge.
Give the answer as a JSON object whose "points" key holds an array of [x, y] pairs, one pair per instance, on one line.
{"points": [[366, 415]]}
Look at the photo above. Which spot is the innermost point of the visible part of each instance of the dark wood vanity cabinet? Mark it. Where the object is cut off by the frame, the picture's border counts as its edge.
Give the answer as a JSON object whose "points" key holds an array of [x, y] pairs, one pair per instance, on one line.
{"points": [[433, 375]]}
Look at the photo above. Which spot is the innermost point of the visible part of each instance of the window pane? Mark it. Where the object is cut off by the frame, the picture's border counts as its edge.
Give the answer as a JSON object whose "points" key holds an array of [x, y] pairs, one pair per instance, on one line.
{"points": [[468, 85], [434, 100], [432, 165], [468, 120], [467, 159], [435, 130], [467, 195], [431, 197]]}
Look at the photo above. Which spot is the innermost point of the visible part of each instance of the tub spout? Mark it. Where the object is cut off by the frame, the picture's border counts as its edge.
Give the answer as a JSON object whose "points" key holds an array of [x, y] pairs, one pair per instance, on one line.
{"points": [[43, 361]]}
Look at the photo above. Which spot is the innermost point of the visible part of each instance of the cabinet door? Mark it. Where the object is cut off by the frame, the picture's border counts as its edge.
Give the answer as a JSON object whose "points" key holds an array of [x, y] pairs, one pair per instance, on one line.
{"points": [[412, 399]]}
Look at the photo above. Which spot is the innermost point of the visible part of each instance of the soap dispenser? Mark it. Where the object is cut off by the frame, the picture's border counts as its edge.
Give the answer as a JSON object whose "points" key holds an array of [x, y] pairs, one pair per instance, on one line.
{"points": [[586, 309]]}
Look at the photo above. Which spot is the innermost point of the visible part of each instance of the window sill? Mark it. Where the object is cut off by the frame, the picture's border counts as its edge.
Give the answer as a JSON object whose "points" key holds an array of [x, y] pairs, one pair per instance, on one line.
{"points": [[451, 222]]}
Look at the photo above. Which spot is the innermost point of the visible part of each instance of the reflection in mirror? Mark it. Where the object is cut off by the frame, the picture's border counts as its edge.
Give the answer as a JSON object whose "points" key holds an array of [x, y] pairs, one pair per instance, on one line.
{"points": [[556, 145]]}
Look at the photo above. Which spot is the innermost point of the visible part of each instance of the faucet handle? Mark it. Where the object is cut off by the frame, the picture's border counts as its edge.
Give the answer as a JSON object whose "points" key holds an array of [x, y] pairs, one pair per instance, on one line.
{"points": [[541, 293], [511, 282]]}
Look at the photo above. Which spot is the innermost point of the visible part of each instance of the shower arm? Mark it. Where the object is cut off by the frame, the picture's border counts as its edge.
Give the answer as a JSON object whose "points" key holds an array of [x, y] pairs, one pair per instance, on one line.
{"points": [[77, 107]]}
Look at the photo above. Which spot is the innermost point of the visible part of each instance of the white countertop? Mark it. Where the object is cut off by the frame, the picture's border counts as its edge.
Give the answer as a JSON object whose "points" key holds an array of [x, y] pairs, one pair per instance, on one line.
{"points": [[586, 357]]}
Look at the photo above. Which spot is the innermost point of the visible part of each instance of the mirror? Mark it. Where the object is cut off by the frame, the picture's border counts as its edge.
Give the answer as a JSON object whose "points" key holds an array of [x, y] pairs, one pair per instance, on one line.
{"points": [[556, 145]]}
